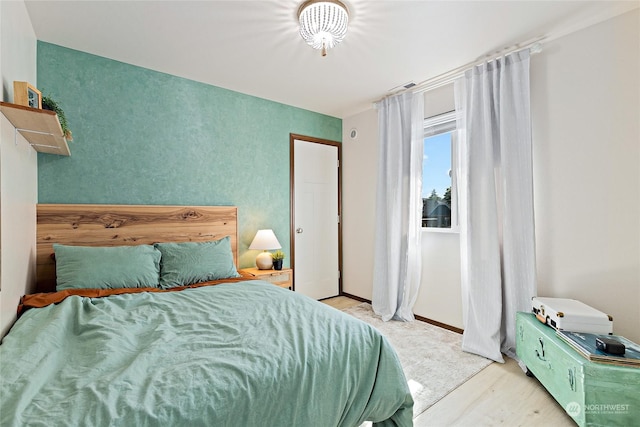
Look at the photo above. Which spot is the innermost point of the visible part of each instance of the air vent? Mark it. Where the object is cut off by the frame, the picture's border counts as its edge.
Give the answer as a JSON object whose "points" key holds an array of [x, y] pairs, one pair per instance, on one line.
{"points": [[404, 86]]}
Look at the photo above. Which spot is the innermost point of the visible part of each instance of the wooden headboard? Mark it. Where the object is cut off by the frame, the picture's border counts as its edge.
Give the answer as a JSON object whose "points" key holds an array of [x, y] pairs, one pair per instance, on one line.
{"points": [[118, 225]]}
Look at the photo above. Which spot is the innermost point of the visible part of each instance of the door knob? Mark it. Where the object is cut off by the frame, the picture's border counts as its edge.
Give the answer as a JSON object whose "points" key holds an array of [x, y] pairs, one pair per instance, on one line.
{"points": [[299, 230]]}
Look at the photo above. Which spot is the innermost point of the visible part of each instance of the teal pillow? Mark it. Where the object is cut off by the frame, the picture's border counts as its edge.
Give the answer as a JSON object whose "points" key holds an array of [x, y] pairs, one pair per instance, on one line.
{"points": [[193, 262], [81, 267]]}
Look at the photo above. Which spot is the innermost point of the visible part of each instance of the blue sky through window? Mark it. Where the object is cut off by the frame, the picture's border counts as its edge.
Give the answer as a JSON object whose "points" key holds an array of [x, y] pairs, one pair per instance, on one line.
{"points": [[436, 164]]}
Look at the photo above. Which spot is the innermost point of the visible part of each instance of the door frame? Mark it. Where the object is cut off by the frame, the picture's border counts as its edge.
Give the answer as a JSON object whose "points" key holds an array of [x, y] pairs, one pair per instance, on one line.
{"points": [[292, 236]]}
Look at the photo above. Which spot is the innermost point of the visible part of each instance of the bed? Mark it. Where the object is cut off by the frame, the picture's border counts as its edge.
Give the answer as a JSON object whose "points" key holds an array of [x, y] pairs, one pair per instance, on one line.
{"points": [[228, 351]]}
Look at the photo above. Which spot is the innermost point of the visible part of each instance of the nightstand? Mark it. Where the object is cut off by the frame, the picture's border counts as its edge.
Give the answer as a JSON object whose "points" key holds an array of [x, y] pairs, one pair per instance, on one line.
{"points": [[282, 278]]}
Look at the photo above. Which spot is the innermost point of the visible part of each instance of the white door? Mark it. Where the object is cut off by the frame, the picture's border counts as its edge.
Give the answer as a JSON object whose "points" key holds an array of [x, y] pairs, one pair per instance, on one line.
{"points": [[316, 219]]}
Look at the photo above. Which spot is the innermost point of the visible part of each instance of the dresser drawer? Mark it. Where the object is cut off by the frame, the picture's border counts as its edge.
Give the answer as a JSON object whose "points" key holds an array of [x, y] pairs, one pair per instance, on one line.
{"points": [[282, 278], [277, 277]]}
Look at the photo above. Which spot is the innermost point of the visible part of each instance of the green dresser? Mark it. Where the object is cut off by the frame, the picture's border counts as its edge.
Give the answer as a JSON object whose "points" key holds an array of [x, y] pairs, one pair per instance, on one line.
{"points": [[593, 394]]}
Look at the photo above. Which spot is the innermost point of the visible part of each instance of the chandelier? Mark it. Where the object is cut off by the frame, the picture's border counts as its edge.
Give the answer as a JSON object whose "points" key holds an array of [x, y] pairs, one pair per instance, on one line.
{"points": [[323, 23]]}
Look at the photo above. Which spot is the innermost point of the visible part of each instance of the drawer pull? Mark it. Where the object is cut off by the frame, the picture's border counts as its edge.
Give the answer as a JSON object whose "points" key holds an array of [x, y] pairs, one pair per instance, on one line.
{"points": [[540, 354], [572, 379]]}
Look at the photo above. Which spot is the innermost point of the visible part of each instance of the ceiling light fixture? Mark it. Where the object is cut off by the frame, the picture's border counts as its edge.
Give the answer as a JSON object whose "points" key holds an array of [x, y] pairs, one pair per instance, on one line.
{"points": [[323, 23]]}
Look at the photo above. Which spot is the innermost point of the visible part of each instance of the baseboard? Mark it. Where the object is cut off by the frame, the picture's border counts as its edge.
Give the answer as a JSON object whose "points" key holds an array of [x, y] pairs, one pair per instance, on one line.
{"points": [[420, 318], [440, 324], [355, 297]]}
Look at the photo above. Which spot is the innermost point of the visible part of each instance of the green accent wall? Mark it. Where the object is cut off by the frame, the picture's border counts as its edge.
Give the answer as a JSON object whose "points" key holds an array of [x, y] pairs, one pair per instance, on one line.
{"points": [[145, 137]]}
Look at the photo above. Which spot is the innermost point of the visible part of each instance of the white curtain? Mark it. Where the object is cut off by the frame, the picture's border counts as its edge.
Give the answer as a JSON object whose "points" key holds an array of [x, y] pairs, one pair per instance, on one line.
{"points": [[495, 184], [397, 262]]}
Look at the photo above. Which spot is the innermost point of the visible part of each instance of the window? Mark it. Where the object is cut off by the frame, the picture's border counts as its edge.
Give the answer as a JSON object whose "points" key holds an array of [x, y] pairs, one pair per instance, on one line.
{"points": [[438, 181]]}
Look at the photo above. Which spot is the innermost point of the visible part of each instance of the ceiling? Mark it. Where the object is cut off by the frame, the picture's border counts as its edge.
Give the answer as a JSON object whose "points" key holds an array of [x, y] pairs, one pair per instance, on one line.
{"points": [[253, 47]]}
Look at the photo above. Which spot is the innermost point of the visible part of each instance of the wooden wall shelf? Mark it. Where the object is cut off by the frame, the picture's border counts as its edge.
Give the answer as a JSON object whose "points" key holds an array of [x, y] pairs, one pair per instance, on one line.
{"points": [[41, 128]]}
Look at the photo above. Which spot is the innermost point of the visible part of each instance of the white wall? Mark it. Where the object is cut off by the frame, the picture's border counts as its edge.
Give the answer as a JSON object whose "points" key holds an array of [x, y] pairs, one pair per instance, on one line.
{"points": [[18, 167], [359, 165], [586, 137], [586, 108], [440, 296]]}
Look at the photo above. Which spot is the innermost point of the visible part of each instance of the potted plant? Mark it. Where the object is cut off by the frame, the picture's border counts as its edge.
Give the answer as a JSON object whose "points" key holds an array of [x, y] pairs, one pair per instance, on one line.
{"points": [[277, 256], [50, 104]]}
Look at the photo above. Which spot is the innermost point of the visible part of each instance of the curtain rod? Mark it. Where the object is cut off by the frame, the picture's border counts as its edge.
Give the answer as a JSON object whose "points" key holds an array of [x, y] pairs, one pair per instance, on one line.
{"points": [[445, 78]]}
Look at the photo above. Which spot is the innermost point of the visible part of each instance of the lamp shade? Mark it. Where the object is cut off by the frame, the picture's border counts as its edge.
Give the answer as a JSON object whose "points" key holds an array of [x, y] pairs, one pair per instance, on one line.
{"points": [[265, 240]]}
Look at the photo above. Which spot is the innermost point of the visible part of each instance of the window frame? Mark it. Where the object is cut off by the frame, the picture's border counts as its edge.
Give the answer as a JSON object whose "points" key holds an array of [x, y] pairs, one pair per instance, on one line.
{"points": [[437, 125]]}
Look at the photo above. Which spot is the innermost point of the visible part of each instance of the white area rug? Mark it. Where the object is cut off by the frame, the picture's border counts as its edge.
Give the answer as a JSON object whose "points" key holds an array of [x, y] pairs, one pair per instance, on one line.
{"points": [[430, 356]]}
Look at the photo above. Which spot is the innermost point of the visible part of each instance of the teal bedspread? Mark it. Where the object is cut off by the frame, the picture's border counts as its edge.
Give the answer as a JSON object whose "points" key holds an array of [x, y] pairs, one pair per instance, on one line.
{"points": [[237, 354]]}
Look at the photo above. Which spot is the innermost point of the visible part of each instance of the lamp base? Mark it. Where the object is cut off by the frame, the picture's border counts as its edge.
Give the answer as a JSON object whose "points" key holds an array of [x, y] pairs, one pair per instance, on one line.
{"points": [[264, 261]]}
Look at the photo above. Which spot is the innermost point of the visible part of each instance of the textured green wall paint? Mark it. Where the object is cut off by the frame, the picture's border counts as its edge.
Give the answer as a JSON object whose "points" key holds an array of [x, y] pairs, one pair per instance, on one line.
{"points": [[144, 137]]}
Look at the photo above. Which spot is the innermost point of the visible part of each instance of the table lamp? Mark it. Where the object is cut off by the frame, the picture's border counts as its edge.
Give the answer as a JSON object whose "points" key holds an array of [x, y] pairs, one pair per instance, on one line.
{"points": [[265, 240]]}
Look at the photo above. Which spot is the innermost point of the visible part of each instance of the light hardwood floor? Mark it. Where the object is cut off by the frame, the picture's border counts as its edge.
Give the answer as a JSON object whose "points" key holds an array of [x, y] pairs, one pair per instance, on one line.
{"points": [[499, 395]]}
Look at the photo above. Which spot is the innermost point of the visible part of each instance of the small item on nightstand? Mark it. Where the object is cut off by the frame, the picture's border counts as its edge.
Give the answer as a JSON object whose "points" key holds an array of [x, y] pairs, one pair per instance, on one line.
{"points": [[278, 257], [609, 345]]}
